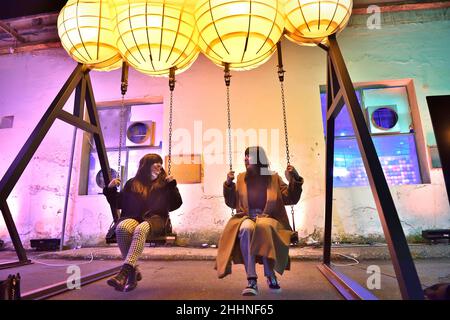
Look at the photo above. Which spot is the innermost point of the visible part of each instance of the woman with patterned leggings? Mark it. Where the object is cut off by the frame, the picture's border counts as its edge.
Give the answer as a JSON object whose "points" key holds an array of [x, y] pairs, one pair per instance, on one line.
{"points": [[146, 201]]}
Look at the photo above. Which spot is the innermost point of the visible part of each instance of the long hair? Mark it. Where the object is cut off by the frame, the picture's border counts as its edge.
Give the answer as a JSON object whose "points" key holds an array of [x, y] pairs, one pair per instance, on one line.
{"points": [[259, 154], [262, 161], [142, 183]]}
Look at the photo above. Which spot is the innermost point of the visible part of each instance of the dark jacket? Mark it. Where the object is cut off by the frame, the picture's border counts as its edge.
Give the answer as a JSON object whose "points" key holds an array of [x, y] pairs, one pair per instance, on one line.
{"points": [[159, 202]]}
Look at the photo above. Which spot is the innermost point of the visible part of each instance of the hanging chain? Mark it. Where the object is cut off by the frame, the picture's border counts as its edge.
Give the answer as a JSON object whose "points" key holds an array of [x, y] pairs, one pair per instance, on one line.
{"points": [[286, 138], [230, 154], [227, 77], [169, 156], [171, 87], [123, 89], [281, 72], [121, 133]]}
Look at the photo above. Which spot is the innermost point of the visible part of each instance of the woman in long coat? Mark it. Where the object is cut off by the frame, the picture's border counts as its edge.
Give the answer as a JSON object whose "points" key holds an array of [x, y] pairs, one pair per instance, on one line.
{"points": [[260, 230]]}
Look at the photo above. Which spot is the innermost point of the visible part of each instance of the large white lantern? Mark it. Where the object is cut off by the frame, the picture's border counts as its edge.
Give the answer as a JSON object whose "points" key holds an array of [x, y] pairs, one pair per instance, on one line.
{"points": [[86, 30], [309, 22], [155, 36], [241, 33]]}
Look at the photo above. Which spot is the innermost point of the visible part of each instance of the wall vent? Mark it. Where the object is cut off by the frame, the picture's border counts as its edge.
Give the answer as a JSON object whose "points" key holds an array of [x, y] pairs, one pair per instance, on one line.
{"points": [[6, 122]]}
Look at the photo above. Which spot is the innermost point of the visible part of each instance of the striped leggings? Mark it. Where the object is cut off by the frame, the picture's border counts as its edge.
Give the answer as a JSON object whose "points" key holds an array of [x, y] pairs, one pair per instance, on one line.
{"points": [[131, 236]]}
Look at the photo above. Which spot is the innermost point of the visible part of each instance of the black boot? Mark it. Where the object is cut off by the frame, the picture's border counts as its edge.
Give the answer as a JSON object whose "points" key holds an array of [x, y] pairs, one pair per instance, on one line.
{"points": [[138, 274], [132, 279], [125, 280]]}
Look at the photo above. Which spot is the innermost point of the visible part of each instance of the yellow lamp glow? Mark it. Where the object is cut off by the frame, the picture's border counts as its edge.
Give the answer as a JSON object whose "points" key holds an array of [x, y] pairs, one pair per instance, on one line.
{"points": [[309, 22], [241, 33], [86, 30], [155, 36]]}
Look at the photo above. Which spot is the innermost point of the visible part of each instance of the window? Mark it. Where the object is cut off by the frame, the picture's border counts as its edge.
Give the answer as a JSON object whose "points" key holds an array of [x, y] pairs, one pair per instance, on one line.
{"points": [[142, 134], [388, 114]]}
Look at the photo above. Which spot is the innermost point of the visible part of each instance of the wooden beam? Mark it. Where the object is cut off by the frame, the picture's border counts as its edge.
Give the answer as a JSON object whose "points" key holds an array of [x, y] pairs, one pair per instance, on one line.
{"points": [[30, 47], [12, 230], [77, 122], [5, 27], [131, 102], [404, 7], [336, 106]]}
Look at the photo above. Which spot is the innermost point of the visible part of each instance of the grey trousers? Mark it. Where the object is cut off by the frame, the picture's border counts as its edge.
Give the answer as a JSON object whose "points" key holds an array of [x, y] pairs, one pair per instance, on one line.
{"points": [[245, 239]]}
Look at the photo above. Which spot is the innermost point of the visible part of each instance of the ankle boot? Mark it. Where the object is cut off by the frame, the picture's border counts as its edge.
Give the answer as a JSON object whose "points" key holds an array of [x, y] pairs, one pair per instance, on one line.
{"points": [[131, 279], [138, 274], [120, 281]]}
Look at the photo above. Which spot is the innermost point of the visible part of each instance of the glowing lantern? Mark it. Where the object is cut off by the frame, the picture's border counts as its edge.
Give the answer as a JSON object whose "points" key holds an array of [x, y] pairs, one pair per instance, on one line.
{"points": [[309, 22], [86, 30], [241, 33], [155, 36]]}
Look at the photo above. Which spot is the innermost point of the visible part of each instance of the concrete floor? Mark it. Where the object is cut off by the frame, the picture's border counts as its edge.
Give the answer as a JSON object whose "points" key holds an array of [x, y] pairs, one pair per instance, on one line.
{"points": [[37, 275], [197, 280], [430, 271], [185, 280], [309, 253]]}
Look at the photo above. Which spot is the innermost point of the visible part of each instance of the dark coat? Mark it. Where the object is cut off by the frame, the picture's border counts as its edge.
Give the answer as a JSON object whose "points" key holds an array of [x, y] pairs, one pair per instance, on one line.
{"points": [[272, 234], [159, 202]]}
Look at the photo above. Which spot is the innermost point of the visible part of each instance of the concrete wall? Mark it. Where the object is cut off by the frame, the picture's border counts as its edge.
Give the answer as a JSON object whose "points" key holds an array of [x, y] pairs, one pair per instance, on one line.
{"points": [[29, 82]]}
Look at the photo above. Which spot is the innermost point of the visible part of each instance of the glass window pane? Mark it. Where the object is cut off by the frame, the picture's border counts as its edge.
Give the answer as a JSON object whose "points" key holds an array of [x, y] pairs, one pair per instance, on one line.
{"points": [[348, 166], [323, 104], [397, 155], [388, 117], [95, 178], [110, 123], [343, 124]]}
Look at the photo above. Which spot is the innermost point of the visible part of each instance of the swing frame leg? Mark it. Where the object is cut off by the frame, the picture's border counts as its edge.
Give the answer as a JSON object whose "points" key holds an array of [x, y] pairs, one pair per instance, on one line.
{"points": [[340, 91], [79, 81]]}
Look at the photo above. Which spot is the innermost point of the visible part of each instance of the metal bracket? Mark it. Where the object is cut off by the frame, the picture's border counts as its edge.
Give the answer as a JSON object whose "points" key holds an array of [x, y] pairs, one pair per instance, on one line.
{"points": [[227, 74], [281, 71]]}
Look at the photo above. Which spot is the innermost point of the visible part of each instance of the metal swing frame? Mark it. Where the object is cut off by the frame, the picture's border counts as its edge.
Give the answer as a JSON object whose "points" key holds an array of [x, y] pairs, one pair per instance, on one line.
{"points": [[80, 82], [340, 91]]}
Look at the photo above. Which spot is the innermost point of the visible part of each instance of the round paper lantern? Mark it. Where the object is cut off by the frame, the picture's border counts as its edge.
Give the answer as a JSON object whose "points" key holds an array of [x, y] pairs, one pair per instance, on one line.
{"points": [[155, 36], [86, 30], [309, 22], [241, 33]]}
